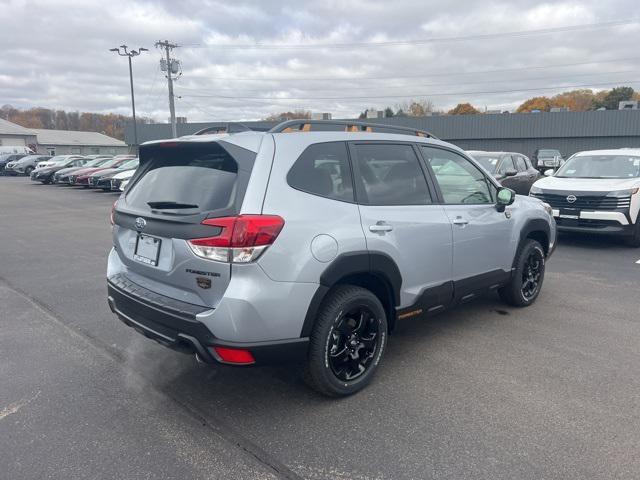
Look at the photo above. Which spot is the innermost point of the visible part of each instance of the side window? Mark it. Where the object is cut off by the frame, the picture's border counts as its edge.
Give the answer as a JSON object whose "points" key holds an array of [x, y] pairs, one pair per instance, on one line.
{"points": [[389, 175], [460, 181], [522, 166], [323, 169], [507, 164]]}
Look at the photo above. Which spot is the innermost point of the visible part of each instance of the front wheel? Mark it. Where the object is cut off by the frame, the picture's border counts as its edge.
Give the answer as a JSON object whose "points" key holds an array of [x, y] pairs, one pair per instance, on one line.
{"points": [[347, 342], [634, 239], [27, 171], [527, 277]]}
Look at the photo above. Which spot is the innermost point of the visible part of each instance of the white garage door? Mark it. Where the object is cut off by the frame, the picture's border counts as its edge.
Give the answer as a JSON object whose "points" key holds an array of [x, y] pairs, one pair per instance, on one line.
{"points": [[12, 141]]}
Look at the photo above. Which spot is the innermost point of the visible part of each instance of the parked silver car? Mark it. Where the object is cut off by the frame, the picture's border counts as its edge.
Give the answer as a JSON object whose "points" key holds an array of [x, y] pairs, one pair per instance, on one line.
{"points": [[312, 241]]}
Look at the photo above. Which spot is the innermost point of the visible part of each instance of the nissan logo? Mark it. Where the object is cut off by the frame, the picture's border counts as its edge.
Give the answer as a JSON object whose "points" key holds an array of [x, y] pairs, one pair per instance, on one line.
{"points": [[570, 199], [140, 223]]}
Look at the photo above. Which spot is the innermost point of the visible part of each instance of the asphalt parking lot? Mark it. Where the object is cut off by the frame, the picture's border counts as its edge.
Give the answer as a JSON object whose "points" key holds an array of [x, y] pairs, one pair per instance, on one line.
{"points": [[480, 392]]}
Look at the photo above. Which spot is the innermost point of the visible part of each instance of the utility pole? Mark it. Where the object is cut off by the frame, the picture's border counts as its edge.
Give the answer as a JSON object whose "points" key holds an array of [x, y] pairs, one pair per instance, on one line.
{"points": [[130, 55], [172, 67]]}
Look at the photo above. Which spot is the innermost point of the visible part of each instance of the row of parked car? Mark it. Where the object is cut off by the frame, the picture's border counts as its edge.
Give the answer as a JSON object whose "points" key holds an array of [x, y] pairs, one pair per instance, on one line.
{"points": [[97, 171]]}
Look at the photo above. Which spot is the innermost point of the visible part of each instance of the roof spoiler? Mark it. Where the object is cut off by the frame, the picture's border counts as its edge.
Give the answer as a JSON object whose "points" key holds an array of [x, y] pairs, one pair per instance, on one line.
{"points": [[345, 126], [230, 127]]}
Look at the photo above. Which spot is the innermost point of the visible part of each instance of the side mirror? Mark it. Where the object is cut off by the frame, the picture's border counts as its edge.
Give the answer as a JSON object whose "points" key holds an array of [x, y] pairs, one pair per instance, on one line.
{"points": [[506, 197], [510, 173], [548, 172]]}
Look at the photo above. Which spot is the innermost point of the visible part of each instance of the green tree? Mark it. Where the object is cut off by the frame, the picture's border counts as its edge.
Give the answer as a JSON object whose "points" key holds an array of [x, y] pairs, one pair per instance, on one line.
{"points": [[614, 97]]}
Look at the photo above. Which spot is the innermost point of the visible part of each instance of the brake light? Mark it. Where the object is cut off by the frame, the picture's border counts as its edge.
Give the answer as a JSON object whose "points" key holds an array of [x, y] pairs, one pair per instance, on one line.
{"points": [[236, 356], [242, 239]]}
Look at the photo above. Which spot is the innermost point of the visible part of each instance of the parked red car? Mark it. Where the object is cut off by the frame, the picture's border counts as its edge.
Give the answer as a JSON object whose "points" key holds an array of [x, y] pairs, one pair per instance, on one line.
{"points": [[81, 177]]}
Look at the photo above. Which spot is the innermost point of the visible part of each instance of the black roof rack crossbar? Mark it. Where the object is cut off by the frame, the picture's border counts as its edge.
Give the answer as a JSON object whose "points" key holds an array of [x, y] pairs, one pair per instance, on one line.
{"points": [[231, 127], [302, 125]]}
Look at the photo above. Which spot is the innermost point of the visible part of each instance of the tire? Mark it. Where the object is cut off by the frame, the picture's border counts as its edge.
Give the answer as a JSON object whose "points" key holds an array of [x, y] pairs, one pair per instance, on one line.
{"points": [[346, 347], [634, 239], [27, 171], [526, 281]]}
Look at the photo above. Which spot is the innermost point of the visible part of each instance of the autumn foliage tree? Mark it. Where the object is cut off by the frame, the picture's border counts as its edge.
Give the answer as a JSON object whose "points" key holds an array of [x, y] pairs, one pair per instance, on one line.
{"points": [[295, 115], [109, 123], [464, 109]]}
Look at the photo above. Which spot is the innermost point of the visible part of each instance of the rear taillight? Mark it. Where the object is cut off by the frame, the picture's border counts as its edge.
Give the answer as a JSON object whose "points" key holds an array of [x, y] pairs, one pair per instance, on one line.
{"points": [[242, 239]]}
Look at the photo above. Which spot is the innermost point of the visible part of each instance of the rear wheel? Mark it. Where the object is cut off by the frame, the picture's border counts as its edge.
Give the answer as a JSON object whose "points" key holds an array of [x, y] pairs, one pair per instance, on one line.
{"points": [[347, 342], [526, 280]]}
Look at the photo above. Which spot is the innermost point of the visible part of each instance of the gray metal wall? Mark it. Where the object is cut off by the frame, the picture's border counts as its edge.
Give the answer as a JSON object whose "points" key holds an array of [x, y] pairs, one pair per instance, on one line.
{"points": [[568, 132]]}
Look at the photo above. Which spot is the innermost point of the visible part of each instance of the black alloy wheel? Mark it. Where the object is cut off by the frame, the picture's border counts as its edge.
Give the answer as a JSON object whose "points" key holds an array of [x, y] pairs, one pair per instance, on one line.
{"points": [[353, 343], [531, 274]]}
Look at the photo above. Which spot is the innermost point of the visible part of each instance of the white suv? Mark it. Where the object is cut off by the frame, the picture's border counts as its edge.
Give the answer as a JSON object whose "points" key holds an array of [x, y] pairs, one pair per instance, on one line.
{"points": [[597, 192]]}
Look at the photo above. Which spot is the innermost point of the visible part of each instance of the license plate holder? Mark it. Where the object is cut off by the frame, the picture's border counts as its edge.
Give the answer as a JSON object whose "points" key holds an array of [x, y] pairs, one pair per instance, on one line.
{"points": [[147, 250], [569, 213]]}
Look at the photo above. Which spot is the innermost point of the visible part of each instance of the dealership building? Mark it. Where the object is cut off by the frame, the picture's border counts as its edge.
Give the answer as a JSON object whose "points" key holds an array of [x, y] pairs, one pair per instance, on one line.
{"points": [[59, 142], [568, 132]]}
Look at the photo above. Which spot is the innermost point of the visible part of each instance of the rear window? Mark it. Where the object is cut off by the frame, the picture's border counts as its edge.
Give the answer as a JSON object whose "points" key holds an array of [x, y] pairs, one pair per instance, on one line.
{"points": [[186, 177]]}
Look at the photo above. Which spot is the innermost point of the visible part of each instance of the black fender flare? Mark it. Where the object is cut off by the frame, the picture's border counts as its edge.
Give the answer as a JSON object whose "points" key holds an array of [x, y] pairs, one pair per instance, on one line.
{"points": [[353, 263], [536, 225]]}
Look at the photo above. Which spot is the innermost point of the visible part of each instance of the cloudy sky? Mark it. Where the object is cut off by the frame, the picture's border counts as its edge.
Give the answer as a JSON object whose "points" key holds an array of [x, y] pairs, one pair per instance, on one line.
{"points": [[243, 60]]}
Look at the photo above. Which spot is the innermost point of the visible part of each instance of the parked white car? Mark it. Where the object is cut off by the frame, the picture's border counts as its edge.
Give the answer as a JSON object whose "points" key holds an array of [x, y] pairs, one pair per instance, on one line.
{"points": [[119, 181], [55, 160], [596, 192]]}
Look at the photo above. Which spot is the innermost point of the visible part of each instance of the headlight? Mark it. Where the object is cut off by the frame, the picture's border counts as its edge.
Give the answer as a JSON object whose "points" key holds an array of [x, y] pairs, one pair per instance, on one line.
{"points": [[535, 190]]}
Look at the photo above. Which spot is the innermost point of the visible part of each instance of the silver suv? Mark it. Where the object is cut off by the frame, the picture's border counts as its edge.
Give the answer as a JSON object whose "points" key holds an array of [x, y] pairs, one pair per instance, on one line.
{"points": [[311, 241]]}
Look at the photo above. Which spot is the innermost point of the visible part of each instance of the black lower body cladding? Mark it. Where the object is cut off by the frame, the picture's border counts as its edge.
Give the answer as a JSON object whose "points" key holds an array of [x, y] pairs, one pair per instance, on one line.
{"points": [[173, 324]]}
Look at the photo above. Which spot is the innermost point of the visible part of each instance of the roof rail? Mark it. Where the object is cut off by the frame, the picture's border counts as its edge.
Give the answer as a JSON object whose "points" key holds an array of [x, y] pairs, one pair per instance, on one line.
{"points": [[231, 127], [303, 125]]}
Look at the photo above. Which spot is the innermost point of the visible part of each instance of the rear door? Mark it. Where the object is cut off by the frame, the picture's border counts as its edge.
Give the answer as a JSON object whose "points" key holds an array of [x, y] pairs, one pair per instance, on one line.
{"points": [[177, 186], [525, 178], [400, 218], [507, 165], [481, 234]]}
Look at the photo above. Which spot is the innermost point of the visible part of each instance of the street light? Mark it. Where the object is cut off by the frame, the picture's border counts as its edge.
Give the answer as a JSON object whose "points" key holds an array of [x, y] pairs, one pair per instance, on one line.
{"points": [[130, 54]]}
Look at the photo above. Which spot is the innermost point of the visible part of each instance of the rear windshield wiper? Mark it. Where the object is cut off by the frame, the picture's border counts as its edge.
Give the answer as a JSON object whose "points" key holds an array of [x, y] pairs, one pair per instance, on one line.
{"points": [[168, 205]]}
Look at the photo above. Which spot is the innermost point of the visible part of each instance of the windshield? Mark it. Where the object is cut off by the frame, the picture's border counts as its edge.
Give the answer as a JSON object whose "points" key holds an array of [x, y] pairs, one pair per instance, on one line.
{"points": [[109, 163], [57, 159], [130, 164], [548, 153], [95, 162], [488, 162], [601, 166]]}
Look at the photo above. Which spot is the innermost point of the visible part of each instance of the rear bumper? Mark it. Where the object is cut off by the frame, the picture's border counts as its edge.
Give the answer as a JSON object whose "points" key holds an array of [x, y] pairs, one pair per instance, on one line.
{"points": [[174, 324]]}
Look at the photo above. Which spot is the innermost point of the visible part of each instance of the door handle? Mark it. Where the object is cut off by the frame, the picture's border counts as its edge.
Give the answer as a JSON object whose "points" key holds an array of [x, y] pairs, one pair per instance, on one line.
{"points": [[380, 227], [460, 221]]}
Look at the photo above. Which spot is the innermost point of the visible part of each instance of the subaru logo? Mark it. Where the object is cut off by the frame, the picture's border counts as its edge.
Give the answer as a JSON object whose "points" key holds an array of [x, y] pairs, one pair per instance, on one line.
{"points": [[571, 198], [140, 223]]}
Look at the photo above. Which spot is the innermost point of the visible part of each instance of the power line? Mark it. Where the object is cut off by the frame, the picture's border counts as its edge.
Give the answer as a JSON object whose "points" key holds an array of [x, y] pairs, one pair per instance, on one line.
{"points": [[548, 77], [489, 36], [427, 75], [414, 95]]}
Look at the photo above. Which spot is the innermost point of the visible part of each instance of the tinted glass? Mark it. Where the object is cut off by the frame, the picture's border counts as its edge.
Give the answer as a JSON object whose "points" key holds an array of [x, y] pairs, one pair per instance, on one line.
{"points": [[528, 162], [507, 164], [198, 177], [323, 169], [460, 181], [600, 166], [522, 167], [548, 153], [487, 161], [390, 175]]}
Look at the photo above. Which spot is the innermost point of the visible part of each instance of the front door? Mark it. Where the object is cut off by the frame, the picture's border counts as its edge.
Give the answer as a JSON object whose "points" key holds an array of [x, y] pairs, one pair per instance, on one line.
{"points": [[401, 219], [481, 234]]}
